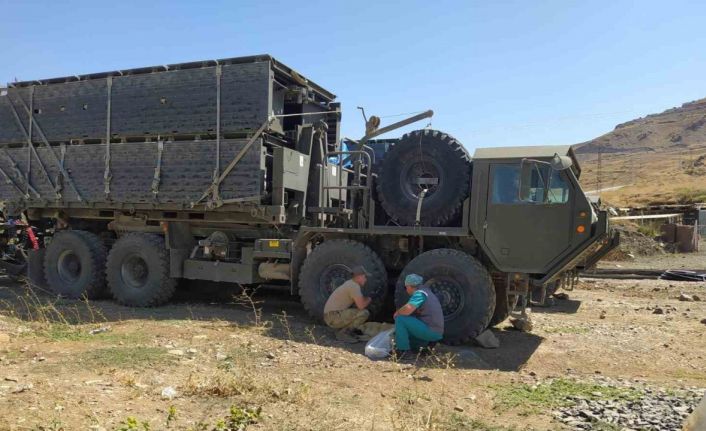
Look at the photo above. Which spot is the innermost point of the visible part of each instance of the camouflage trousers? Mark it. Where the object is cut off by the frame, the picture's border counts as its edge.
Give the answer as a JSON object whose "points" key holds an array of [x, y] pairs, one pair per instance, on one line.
{"points": [[350, 318]]}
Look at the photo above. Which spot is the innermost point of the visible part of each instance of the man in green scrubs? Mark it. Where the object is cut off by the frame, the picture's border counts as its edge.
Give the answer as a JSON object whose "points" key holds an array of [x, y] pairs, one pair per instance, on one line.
{"points": [[420, 320]]}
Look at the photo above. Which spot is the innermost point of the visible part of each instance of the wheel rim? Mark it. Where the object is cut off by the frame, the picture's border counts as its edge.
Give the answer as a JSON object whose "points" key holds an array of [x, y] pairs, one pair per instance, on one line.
{"points": [[449, 293], [134, 271], [69, 267], [424, 174], [332, 277]]}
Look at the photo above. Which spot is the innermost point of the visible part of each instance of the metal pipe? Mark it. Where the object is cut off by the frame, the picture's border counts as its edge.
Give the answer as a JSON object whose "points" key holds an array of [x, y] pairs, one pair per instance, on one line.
{"points": [[393, 126]]}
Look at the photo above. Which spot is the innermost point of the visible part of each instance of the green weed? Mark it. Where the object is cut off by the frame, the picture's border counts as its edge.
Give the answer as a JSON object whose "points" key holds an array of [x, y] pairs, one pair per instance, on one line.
{"points": [[689, 196], [132, 424], [238, 419], [171, 416], [557, 393], [649, 230], [459, 422], [54, 425], [81, 333], [126, 357]]}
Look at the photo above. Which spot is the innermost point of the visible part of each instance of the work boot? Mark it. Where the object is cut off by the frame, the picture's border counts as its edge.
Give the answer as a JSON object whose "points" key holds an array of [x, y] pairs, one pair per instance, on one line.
{"points": [[360, 335], [346, 336]]}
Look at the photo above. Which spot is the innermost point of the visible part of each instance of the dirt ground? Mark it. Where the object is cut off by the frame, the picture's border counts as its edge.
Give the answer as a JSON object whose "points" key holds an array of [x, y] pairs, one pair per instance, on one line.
{"points": [[198, 365], [685, 261]]}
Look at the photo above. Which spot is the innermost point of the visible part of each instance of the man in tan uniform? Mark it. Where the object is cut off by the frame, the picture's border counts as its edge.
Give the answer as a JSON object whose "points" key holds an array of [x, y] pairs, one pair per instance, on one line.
{"points": [[339, 312]]}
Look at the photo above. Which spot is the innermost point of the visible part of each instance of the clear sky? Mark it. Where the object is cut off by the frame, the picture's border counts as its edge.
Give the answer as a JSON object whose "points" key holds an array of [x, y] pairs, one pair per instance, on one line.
{"points": [[495, 72]]}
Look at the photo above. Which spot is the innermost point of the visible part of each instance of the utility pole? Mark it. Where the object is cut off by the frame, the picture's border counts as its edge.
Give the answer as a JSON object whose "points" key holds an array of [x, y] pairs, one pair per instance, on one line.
{"points": [[599, 167]]}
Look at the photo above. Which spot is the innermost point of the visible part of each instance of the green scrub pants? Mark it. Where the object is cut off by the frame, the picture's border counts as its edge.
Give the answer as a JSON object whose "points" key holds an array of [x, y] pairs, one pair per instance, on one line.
{"points": [[413, 334]]}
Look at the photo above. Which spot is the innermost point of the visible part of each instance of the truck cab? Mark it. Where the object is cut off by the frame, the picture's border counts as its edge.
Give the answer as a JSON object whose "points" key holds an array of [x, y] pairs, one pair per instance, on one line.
{"points": [[538, 233]]}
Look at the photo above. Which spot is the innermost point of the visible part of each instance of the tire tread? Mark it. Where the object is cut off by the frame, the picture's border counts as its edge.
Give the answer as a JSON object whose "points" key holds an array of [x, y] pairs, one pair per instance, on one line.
{"points": [[308, 294], [451, 209], [167, 286], [97, 287], [479, 270]]}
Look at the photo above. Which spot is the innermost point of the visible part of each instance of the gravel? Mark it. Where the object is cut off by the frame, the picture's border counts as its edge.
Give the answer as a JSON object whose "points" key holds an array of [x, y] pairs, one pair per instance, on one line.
{"points": [[655, 410]]}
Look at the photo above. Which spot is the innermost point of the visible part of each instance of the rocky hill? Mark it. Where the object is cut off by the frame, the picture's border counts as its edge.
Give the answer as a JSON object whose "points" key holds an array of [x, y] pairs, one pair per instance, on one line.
{"points": [[656, 159], [679, 127]]}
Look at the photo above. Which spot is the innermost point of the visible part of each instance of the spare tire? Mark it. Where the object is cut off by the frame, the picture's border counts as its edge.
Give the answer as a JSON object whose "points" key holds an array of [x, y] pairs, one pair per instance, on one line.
{"points": [[330, 264], [424, 159], [462, 285]]}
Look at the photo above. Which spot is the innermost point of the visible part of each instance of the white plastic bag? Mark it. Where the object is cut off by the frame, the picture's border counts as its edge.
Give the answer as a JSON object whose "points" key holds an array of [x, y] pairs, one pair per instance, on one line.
{"points": [[380, 346]]}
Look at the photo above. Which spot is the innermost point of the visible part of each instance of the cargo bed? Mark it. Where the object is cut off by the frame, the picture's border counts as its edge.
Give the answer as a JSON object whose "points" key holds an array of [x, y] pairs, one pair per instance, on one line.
{"points": [[154, 136]]}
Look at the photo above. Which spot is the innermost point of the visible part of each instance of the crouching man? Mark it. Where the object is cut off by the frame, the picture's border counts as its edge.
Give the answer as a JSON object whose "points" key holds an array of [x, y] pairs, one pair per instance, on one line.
{"points": [[418, 322], [346, 308]]}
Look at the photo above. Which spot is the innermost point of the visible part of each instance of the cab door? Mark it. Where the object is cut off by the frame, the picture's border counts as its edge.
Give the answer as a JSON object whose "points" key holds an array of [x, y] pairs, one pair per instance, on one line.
{"points": [[526, 236]]}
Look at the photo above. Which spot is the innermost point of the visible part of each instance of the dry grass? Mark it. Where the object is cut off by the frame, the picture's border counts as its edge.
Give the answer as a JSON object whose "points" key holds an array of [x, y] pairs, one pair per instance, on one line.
{"points": [[301, 378], [221, 384], [661, 177]]}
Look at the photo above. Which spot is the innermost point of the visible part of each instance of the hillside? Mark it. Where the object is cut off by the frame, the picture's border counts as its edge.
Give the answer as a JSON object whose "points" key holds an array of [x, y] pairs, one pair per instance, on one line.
{"points": [[656, 159]]}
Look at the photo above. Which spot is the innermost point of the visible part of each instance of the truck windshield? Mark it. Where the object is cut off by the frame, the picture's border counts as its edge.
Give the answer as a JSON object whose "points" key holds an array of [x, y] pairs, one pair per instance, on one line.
{"points": [[506, 182]]}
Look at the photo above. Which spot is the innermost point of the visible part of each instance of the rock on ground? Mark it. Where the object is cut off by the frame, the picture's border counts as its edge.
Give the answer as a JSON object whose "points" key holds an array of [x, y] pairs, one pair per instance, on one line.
{"points": [[488, 340]]}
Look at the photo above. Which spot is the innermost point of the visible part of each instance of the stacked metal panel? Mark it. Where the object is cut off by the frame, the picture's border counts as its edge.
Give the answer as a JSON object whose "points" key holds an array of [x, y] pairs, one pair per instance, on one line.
{"points": [[174, 102], [185, 173]]}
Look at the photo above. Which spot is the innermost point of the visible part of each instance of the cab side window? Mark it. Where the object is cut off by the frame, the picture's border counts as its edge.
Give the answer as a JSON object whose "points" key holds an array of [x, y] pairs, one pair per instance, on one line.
{"points": [[558, 189], [538, 183], [506, 183]]}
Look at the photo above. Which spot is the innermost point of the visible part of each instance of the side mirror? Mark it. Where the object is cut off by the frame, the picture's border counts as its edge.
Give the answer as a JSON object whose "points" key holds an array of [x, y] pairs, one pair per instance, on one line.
{"points": [[560, 163]]}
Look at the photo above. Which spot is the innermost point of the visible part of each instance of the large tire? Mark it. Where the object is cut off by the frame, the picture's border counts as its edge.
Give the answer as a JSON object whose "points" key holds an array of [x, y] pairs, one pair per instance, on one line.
{"points": [[138, 271], [463, 286], [424, 155], [329, 265], [74, 264]]}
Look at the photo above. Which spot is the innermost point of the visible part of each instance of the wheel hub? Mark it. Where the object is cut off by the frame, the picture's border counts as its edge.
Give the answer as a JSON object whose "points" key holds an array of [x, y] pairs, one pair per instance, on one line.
{"points": [[69, 266], [421, 175], [332, 277], [134, 271], [448, 292]]}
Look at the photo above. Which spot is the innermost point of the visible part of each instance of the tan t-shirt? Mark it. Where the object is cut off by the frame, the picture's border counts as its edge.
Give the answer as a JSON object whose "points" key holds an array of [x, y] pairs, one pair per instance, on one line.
{"points": [[342, 297]]}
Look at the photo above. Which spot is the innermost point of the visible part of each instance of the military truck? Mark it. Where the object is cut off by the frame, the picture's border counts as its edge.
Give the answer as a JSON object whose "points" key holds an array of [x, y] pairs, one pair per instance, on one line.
{"points": [[233, 170]]}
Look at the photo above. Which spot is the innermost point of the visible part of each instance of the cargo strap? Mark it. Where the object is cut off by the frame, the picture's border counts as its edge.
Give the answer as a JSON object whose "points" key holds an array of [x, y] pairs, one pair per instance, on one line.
{"points": [[28, 136], [9, 181], [51, 151], [59, 180], [217, 169], [19, 175], [158, 169], [28, 174], [215, 201], [106, 174]]}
